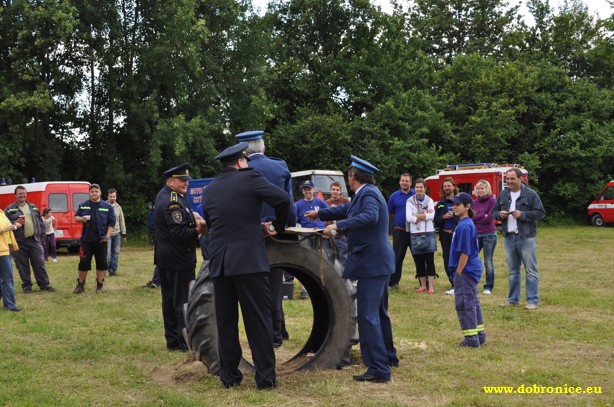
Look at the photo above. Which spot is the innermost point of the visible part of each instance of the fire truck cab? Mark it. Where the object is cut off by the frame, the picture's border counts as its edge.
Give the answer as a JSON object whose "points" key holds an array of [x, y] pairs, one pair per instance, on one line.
{"points": [[63, 197], [601, 210], [467, 175]]}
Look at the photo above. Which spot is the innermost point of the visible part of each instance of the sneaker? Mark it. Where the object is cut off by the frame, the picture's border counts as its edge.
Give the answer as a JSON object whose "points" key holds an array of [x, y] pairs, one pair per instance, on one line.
{"points": [[470, 342], [530, 306], [450, 291], [99, 287], [27, 290], [54, 260], [487, 292], [304, 294]]}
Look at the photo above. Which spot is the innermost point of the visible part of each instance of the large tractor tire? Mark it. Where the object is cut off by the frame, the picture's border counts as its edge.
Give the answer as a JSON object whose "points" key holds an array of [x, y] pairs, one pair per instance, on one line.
{"points": [[333, 300]]}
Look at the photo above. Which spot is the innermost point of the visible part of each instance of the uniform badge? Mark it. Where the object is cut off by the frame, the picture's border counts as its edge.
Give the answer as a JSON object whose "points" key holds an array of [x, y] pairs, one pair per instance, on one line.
{"points": [[177, 216]]}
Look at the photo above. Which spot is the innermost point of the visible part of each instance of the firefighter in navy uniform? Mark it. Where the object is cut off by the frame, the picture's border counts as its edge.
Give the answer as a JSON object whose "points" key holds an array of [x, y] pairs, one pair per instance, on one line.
{"points": [[239, 264], [177, 231]]}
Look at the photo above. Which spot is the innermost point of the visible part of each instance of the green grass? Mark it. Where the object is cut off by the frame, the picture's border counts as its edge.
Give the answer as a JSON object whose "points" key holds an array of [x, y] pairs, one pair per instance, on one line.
{"points": [[68, 350]]}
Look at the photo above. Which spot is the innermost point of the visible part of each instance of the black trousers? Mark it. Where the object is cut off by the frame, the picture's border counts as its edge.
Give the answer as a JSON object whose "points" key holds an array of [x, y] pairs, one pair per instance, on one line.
{"points": [[276, 278], [175, 287], [401, 241], [446, 242], [31, 252], [252, 292]]}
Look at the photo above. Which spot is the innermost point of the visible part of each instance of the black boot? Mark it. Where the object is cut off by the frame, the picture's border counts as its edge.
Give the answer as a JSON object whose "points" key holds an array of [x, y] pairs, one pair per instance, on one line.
{"points": [[80, 287], [99, 286]]}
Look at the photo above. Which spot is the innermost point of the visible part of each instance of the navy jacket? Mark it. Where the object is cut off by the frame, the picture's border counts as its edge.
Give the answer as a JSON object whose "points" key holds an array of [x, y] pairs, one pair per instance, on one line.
{"points": [[175, 229], [276, 171], [13, 213], [232, 208], [365, 221], [105, 216]]}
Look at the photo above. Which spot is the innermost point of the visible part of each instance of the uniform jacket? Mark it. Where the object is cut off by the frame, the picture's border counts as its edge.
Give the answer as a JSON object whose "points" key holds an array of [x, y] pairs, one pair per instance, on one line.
{"points": [[440, 210], [232, 208], [276, 171], [175, 231], [528, 203], [13, 213], [105, 216], [365, 221]]}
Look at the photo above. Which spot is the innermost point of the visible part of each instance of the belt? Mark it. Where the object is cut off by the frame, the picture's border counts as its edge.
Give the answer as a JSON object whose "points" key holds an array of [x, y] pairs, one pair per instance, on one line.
{"points": [[31, 237], [399, 228], [448, 231]]}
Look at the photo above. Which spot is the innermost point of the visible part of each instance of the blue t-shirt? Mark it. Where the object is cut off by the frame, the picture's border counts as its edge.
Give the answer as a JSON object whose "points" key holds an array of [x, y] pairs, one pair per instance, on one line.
{"points": [[465, 240], [397, 205], [303, 206]]}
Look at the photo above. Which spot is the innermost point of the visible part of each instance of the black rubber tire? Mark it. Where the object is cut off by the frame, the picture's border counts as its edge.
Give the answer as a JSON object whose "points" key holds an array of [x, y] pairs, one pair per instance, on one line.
{"points": [[333, 300], [597, 220]]}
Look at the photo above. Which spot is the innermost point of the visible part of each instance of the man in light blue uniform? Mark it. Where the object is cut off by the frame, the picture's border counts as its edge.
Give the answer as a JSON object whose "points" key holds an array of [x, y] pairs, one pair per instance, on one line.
{"points": [[276, 171], [371, 261]]}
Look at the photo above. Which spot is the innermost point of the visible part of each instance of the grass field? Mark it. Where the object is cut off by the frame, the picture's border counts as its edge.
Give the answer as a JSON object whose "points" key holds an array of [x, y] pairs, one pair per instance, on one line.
{"points": [[109, 349]]}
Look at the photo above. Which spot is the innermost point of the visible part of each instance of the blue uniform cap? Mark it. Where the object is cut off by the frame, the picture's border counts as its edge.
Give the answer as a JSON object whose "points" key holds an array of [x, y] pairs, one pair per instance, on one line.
{"points": [[307, 184], [363, 165], [462, 198], [250, 135], [233, 152], [181, 171]]}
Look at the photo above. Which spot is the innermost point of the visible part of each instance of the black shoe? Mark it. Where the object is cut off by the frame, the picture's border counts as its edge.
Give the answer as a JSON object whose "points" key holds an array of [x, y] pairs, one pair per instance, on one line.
{"points": [[394, 363], [228, 385], [276, 344], [267, 385], [15, 309], [27, 290], [179, 348], [112, 273], [394, 286], [370, 378], [151, 285], [48, 289]]}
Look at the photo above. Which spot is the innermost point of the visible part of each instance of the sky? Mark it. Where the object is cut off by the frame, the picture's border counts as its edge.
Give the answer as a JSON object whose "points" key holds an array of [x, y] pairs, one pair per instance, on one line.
{"points": [[600, 7]]}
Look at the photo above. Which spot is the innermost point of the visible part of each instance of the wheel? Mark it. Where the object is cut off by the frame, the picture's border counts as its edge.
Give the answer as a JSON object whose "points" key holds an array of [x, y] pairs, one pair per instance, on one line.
{"points": [[333, 300], [597, 220]]}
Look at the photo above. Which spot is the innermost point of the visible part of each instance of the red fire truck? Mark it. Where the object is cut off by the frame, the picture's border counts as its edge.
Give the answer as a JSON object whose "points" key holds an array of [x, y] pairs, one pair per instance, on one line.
{"points": [[467, 175], [63, 197]]}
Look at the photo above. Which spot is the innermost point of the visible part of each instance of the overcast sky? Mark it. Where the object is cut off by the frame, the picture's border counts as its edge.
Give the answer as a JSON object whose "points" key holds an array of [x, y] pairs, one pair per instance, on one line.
{"points": [[600, 7]]}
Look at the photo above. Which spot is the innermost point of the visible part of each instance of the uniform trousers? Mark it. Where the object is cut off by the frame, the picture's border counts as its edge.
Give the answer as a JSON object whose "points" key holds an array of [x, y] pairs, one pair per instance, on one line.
{"points": [[175, 286], [468, 308], [374, 327], [251, 291], [31, 251], [276, 278]]}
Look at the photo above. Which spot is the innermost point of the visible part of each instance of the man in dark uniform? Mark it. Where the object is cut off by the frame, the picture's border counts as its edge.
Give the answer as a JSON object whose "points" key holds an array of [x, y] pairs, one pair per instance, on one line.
{"points": [[276, 171], [239, 265], [177, 231], [371, 261]]}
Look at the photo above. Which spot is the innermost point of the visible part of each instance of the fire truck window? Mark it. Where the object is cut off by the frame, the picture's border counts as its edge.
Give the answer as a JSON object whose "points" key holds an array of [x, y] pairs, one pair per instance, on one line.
{"points": [[608, 194], [58, 202], [467, 187], [77, 199]]}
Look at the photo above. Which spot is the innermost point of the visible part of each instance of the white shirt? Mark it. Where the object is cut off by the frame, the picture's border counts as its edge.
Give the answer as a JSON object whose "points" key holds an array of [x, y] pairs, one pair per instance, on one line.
{"points": [[512, 222]]}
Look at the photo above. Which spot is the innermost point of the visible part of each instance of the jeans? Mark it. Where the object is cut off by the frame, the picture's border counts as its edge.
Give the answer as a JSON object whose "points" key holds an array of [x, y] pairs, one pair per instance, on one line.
{"points": [[519, 249], [488, 243], [6, 282], [50, 247], [114, 246]]}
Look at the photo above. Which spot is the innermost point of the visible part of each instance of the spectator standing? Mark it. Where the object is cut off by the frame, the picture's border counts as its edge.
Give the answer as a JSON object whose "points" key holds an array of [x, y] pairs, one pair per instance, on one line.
{"points": [[446, 221], [519, 208], [118, 234], [30, 236], [239, 265], [371, 262], [8, 244], [420, 210], [309, 203], [484, 222], [98, 219], [50, 225], [401, 238], [176, 231], [466, 264]]}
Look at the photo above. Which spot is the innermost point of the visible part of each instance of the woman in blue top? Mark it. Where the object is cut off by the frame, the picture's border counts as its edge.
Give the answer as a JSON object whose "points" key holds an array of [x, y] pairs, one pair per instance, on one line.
{"points": [[467, 270]]}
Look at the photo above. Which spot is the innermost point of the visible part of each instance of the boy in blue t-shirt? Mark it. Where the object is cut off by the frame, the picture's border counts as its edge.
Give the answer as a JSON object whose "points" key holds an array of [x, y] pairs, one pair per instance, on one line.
{"points": [[467, 267]]}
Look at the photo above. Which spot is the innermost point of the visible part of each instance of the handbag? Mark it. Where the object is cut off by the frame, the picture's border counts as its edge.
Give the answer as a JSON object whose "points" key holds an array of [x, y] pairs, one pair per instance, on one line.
{"points": [[419, 242]]}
